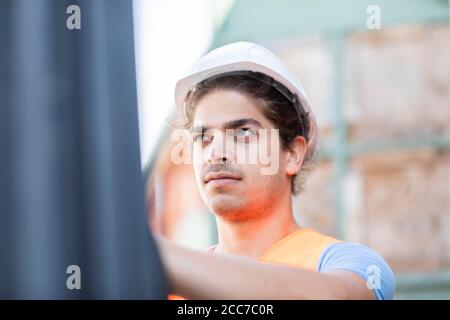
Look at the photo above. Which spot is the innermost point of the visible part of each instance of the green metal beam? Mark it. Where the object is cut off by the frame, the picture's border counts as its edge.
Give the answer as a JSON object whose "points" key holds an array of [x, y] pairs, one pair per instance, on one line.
{"points": [[405, 144], [355, 149], [423, 295], [432, 285], [423, 281], [340, 154]]}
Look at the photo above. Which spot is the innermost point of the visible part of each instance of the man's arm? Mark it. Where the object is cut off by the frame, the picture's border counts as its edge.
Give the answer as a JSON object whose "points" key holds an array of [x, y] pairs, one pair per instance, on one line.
{"points": [[199, 275]]}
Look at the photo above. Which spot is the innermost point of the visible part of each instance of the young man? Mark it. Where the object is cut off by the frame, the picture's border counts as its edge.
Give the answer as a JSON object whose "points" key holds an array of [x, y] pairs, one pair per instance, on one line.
{"points": [[241, 100]]}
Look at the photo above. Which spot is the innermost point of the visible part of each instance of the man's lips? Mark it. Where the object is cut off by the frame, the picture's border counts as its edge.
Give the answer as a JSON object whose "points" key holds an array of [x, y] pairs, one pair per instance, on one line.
{"points": [[220, 176]]}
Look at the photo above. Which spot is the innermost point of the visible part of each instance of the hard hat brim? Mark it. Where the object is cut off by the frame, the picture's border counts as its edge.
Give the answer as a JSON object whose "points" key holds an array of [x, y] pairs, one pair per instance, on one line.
{"points": [[184, 85]]}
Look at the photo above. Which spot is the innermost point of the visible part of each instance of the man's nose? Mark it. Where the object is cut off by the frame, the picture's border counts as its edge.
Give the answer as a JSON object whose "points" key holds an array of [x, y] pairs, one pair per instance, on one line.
{"points": [[219, 150]]}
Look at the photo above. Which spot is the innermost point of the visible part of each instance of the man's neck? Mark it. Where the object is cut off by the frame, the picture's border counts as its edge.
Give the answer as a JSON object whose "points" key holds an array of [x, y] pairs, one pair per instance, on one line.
{"points": [[251, 237]]}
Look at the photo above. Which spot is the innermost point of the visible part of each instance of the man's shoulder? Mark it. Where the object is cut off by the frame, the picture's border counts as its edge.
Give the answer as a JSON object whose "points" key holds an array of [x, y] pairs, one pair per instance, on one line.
{"points": [[301, 248], [308, 239], [362, 260]]}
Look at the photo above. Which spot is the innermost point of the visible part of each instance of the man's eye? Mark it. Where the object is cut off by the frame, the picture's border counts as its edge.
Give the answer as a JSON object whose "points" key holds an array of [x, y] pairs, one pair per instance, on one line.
{"points": [[201, 138], [245, 132]]}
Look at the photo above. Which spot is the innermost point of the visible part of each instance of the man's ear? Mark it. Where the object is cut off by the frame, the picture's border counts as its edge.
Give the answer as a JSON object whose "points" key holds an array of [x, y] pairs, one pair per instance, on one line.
{"points": [[296, 155]]}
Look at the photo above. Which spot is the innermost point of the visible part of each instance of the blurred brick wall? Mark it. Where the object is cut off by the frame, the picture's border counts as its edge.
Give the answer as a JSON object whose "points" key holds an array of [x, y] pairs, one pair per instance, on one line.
{"points": [[396, 85]]}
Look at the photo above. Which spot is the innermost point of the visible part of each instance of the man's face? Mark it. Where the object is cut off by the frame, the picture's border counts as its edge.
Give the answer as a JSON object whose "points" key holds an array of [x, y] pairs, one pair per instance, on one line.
{"points": [[227, 137]]}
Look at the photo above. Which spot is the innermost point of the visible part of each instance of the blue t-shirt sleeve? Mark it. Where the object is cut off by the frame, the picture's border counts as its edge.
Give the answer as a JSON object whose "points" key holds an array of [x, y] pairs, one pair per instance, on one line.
{"points": [[363, 261]]}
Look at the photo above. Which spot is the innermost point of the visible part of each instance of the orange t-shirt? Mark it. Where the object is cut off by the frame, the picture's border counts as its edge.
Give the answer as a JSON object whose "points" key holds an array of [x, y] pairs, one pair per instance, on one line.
{"points": [[301, 248]]}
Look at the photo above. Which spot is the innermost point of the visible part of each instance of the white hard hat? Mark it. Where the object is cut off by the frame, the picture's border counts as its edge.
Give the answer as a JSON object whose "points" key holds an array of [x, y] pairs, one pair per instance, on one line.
{"points": [[245, 56]]}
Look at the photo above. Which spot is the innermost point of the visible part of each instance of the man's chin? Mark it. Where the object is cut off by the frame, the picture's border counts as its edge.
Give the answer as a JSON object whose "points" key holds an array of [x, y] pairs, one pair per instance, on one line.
{"points": [[225, 204]]}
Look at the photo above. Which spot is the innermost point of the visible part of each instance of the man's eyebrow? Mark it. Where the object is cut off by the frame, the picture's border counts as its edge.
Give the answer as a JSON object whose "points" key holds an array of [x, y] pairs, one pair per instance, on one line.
{"points": [[241, 122], [232, 124]]}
